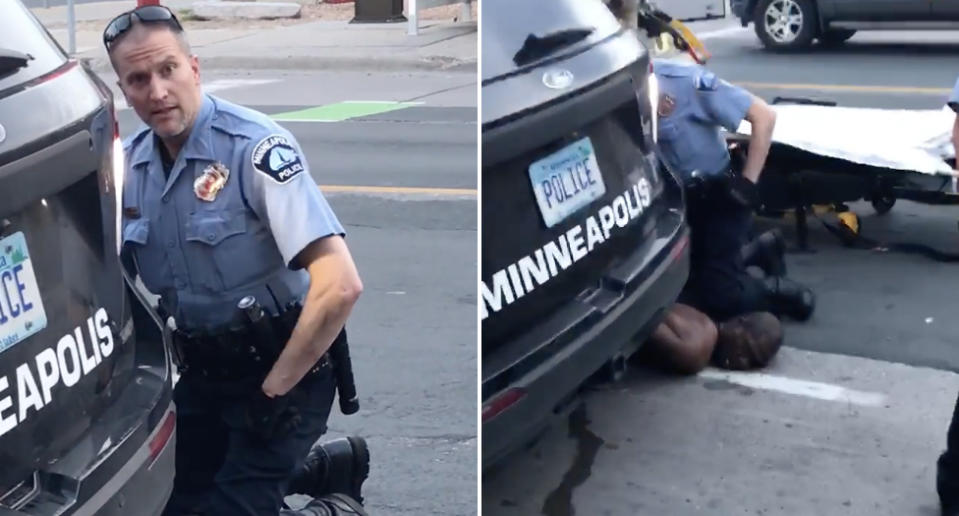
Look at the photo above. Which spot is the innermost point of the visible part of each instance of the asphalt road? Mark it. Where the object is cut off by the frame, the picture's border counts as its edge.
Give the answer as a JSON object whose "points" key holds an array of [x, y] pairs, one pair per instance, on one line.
{"points": [[407, 198], [850, 417]]}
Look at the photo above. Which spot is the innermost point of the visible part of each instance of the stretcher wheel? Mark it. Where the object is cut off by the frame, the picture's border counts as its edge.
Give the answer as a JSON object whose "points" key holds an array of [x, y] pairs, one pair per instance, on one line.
{"points": [[882, 204]]}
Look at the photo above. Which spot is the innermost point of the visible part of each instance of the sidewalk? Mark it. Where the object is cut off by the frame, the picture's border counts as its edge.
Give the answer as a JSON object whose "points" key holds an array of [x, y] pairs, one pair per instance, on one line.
{"points": [[322, 39]]}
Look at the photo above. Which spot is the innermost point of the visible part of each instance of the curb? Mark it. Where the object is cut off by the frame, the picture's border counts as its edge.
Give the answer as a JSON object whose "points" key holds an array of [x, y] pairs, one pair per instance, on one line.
{"points": [[317, 63]]}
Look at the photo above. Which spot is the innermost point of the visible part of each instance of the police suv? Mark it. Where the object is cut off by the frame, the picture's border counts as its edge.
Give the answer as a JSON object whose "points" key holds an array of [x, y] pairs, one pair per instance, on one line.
{"points": [[584, 242], [86, 413]]}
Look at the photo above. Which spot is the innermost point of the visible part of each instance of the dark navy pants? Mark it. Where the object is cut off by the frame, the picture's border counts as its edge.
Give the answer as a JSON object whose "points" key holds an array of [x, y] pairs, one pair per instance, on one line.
{"points": [[947, 479], [223, 470], [719, 285]]}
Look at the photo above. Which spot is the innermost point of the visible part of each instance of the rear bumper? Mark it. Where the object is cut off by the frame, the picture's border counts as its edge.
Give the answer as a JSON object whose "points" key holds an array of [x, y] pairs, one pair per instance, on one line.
{"points": [[141, 487], [578, 340]]}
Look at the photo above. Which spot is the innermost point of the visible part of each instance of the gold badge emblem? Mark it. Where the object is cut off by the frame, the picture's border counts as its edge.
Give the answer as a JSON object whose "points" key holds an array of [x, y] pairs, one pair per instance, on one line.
{"points": [[211, 181], [666, 105]]}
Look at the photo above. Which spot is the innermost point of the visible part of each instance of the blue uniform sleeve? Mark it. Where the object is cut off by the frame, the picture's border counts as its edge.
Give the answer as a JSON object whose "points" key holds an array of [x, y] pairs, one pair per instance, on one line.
{"points": [[724, 103], [282, 191], [953, 101]]}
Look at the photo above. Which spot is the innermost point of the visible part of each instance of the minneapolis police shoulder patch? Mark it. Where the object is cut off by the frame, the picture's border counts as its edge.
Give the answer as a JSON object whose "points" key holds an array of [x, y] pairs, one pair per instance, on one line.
{"points": [[707, 81], [276, 157]]}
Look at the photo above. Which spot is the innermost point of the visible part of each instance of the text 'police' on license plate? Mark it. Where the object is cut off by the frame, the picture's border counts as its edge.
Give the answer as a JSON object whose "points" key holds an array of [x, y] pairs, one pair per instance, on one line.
{"points": [[566, 180], [21, 309]]}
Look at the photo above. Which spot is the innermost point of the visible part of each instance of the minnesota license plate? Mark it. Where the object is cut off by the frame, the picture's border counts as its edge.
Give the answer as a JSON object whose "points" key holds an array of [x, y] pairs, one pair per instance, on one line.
{"points": [[21, 309], [566, 180]]}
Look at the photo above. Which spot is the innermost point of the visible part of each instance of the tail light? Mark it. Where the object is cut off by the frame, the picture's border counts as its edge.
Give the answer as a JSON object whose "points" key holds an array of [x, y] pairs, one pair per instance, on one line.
{"points": [[502, 402], [118, 164], [652, 87], [162, 437]]}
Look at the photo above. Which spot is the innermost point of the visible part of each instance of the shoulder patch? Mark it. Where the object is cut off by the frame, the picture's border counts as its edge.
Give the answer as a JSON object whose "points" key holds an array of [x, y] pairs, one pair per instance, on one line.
{"points": [[707, 81], [276, 157]]}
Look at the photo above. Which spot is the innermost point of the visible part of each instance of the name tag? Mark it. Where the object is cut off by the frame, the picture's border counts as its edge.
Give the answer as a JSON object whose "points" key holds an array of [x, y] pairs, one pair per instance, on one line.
{"points": [[566, 181]]}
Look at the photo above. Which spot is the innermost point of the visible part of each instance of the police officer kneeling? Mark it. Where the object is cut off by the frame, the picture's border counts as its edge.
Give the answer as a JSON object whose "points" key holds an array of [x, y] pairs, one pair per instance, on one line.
{"points": [[693, 105], [219, 208]]}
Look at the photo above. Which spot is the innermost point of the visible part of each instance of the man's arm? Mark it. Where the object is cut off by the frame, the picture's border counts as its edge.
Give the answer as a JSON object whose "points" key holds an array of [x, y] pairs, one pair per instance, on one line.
{"points": [[955, 141], [728, 105], [335, 287], [762, 118]]}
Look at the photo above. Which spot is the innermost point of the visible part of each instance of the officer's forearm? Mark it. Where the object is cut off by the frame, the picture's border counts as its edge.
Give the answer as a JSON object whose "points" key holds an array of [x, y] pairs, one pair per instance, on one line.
{"points": [[335, 287], [763, 120], [324, 315], [955, 140]]}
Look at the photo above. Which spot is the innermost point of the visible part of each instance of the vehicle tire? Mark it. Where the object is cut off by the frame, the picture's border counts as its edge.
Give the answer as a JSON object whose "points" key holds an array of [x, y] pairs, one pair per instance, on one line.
{"points": [[883, 203], [786, 24], [835, 37]]}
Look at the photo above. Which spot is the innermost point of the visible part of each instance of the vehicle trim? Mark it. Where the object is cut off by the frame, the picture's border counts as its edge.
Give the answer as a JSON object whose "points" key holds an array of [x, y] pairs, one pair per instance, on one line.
{"points": [[562, 56], [46, 171], [545, 125], [49, 76], [133, 464]]}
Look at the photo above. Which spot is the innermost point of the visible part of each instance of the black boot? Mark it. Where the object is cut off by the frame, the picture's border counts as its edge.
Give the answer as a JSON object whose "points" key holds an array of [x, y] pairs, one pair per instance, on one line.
{"points": [[787, 297], [330, 505], [766, 251], [947, 469], [338, 466], [947, 484]]}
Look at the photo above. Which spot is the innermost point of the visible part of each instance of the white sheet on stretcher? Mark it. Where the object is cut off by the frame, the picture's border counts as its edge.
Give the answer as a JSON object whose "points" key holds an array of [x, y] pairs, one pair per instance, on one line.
{"points": [[902, 139]]}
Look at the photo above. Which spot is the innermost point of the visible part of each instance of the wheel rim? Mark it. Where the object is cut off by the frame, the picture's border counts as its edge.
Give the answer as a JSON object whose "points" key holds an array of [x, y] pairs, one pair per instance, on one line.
{"points": [[783, 21]]}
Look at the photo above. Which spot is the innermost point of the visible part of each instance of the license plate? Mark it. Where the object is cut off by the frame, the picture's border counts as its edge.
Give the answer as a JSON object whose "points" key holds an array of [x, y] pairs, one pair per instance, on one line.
{"points": [[566, 180], [21, 309]]}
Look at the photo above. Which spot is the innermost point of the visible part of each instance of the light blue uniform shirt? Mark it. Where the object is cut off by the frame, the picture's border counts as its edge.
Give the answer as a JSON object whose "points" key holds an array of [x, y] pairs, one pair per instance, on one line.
{"points": [[693, 105], [203, 256], [953, 101]]}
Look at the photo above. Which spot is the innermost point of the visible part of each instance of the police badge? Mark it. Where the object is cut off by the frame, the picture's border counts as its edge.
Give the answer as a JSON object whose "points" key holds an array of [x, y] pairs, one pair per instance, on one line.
{"points": [[211, 181], [666, 105]]}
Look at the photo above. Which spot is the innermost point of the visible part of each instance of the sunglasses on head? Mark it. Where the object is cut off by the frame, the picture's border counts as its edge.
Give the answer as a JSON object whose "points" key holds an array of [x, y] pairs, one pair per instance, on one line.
{"points": [[146, 14]]}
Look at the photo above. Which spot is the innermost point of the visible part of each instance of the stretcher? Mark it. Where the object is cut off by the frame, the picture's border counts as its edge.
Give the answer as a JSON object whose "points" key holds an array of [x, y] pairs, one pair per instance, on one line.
{"points": [[824, 156]]}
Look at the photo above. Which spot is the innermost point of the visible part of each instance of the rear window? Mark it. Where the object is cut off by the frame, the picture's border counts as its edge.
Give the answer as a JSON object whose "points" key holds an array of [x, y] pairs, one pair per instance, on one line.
{"points": [[21, 32], [508, 23]]}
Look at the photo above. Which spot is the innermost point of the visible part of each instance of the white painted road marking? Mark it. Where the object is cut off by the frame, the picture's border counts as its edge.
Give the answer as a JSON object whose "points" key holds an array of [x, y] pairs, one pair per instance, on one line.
{"points": [[818, 390], [719, 33]]}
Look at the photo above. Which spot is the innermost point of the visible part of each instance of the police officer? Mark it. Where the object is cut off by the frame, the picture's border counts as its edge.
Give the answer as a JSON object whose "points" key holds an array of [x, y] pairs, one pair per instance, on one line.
{"points": [[694, 105], [947, 470], [219, 208]]}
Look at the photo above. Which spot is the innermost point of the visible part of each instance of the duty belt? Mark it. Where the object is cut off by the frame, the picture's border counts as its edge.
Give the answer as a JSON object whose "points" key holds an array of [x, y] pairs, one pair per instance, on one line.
{"points": [[230, 354]]}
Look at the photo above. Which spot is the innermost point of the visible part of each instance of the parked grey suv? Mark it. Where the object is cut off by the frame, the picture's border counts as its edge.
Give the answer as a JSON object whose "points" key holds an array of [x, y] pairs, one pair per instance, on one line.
{"points": [[87, 422], [794, 24]]}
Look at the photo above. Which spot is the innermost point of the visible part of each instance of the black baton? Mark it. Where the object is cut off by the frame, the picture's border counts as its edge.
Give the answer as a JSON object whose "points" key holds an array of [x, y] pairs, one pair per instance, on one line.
{"points": [[343, 369]]}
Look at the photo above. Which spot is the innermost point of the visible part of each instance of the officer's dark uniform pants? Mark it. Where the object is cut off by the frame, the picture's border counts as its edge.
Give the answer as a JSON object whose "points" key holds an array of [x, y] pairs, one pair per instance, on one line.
{"points": [[223, 470], [947, 478], [719, 285]]}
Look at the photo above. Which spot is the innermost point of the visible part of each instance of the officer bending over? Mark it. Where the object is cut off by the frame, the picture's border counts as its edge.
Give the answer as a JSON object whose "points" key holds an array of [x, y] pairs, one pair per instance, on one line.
{"points": [[694, 105], [219, 207], [947, 474]]}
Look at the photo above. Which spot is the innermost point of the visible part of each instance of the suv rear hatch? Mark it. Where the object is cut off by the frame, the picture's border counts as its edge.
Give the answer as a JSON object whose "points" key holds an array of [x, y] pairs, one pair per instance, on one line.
{"points": [[536, 259], [78, 395]]}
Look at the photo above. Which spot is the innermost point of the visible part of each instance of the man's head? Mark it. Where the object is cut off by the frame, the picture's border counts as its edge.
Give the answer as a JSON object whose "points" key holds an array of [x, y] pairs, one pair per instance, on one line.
{"points": [[749, 341], [159, 76]]}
